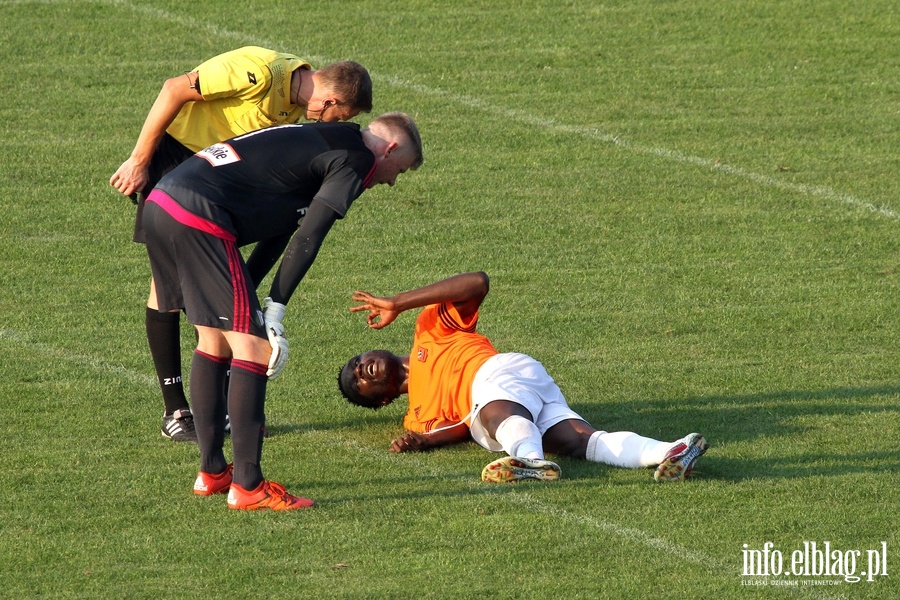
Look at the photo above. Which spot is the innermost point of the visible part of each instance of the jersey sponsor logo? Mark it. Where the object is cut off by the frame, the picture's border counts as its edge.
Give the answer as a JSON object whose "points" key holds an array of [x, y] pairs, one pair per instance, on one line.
{"points": [[422, 354], [251, 77], [219, 154]]}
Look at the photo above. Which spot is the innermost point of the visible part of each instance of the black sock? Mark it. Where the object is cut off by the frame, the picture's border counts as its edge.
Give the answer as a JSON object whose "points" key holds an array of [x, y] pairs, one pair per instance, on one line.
{"points": [[207, 378], [225, 388], [164, 337], [246, 407]]}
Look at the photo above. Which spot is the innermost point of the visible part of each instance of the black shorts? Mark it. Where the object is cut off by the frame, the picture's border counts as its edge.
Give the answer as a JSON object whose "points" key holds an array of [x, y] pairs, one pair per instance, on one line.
{"points": [[203, 274], [168, 154]]}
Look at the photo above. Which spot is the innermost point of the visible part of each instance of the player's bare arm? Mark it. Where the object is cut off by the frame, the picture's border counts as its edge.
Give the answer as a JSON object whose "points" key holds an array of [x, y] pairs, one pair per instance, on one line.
{"points": [[445, 435], [466, 291], [131, 176]]}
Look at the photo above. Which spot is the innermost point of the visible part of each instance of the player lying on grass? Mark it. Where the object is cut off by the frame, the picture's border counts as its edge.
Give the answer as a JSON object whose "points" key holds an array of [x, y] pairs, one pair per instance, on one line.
{"points": [[460, 386]]}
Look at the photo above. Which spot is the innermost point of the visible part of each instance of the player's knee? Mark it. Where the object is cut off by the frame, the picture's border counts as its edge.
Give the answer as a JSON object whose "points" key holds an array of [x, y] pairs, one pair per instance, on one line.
{"points": [[495, 413], [260, 351], [566, 441], [211, 341]]}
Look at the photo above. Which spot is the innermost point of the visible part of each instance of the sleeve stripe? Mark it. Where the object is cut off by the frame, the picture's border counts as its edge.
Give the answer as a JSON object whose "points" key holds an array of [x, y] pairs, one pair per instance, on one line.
{"points": [[448, 321]]}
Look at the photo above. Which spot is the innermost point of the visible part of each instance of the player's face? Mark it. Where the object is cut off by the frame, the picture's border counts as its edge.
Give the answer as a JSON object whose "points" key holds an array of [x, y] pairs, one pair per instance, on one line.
{"points": [[376, 375], [387, 168]]}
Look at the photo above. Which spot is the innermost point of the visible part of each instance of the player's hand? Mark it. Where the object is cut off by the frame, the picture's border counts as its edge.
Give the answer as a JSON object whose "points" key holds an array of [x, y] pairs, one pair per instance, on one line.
{"points": [[129, 178], [410, 442], [382, 311], [273, 312]]}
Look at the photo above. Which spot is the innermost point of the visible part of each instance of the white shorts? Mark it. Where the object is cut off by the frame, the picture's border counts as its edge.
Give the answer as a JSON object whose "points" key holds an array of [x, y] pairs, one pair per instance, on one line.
{"points": [[523, 380]]}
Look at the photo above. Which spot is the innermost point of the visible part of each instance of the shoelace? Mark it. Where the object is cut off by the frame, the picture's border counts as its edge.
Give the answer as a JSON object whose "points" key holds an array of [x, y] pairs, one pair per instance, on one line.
{"points": [[279, 494]]}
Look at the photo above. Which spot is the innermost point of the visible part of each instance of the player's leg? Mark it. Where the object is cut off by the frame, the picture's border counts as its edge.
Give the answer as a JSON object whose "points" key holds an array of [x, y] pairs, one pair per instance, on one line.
{"points": [[569, 437], [164, 338], [163, 329], [510, 424], [576, 438], [246, 402], [218, 294], [506, 396], [209, 368], [246, 407]]}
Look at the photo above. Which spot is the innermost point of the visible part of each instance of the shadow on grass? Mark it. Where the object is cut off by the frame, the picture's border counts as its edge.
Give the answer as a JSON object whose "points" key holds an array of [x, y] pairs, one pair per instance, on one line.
{"points": [[461, 484], [766, 418], [365, 419], [823, 464]]}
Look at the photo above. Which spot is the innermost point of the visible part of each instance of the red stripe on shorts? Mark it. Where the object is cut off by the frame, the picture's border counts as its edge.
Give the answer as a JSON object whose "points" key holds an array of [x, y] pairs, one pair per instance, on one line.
{"points": [[239, 284]]}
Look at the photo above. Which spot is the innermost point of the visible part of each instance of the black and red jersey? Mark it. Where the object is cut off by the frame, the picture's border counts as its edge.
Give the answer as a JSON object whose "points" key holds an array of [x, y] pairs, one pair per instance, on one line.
{"points": [[259, 185]]}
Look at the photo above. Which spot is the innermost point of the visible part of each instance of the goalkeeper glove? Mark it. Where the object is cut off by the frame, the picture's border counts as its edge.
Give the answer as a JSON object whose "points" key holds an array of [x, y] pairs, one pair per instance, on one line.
{"points": [[273, 312]]}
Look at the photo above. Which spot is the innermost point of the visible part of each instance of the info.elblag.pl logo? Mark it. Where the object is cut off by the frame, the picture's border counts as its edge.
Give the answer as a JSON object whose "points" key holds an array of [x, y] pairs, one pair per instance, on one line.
{"points": [[812, 563]]}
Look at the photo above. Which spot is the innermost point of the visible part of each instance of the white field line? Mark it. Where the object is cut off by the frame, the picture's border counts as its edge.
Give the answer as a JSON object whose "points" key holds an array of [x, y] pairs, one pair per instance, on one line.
{"points": [[528, 502], [588, 524], [527, 118]]}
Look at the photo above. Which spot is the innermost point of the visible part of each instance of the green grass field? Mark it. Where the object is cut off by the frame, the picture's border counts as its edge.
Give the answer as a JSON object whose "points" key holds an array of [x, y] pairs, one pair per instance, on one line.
{"points": [[689, 212]]}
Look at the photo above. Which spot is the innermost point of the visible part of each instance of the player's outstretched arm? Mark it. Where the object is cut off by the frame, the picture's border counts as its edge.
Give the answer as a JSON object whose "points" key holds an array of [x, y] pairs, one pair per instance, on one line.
{"points": [[466, 291]]}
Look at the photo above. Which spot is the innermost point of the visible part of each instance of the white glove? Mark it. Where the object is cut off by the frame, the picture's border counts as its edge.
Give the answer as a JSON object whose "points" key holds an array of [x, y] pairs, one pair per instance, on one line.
{"points": [[273, 312]]}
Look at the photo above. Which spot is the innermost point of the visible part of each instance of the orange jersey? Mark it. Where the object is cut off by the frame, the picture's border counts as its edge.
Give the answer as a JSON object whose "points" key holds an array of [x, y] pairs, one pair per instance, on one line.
{"points": [[446, 354]]}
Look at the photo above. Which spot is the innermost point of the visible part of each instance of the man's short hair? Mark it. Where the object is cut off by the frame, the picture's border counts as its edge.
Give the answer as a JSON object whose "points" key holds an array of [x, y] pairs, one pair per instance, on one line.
{"points": [[349, 80], [345, 380], [403, 124]]}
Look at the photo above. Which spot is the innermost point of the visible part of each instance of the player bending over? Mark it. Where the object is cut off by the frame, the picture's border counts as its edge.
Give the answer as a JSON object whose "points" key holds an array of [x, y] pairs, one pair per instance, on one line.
{"points": [[290, 180]]}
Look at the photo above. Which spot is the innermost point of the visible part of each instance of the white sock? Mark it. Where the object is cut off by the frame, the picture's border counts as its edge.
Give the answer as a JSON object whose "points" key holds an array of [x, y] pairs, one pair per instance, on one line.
{"points": [[520, 437], [625, 449]]}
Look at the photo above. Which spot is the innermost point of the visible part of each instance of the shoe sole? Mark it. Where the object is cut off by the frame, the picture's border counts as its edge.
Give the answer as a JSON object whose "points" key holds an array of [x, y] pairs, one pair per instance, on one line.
{"points": [[234, 502], [210, 492], [173, 438], [302, 505], [680, 466], [509, 469]]}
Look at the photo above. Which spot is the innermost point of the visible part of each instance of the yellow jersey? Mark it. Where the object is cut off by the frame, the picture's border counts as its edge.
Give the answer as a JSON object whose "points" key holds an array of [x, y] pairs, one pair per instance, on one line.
{"points": [[244, 90]]}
